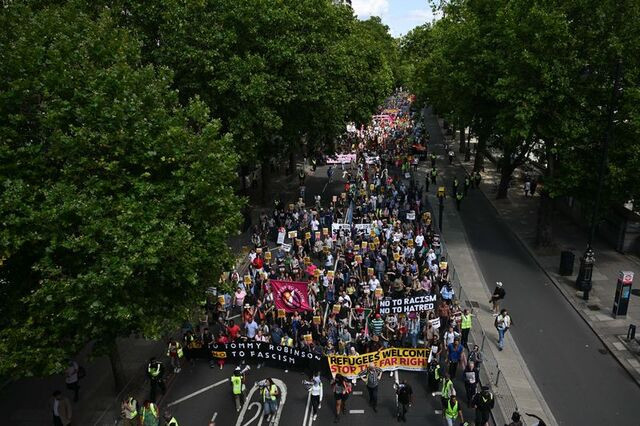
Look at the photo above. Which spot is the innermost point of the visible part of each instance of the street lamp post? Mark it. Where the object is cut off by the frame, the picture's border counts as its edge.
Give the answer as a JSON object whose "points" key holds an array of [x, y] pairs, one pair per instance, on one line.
{"points": [[587, 261]]}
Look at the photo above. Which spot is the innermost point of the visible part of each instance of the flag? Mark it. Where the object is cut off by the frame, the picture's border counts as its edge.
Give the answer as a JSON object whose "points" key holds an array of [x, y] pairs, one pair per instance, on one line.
{"points": [[290, 295]]}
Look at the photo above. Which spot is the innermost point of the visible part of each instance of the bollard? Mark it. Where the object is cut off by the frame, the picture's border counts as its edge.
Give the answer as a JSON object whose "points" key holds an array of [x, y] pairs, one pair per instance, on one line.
{"points": [[631, 333]]}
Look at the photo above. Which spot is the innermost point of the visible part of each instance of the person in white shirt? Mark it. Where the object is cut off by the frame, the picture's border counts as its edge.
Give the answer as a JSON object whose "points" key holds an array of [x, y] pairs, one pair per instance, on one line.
{"points": [[315, 389], [419, 240], [503, 322], [373, 283], [314, 224]]}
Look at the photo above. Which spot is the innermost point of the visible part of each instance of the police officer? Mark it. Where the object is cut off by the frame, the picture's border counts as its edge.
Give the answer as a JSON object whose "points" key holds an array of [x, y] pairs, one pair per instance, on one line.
{"points": [[455, 185], [467, 184], [483, 402], [433, 160], [434, 375], [155, 372], [459, 197], [434, 174], [237, 380]]}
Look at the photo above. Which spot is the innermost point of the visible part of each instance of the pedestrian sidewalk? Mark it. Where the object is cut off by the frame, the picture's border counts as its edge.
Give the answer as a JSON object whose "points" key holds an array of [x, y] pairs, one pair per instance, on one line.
{"points": [[520, 214], [516, 389]]}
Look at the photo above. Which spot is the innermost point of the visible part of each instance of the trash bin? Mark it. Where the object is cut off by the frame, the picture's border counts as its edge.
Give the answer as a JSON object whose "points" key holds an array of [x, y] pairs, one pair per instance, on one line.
{"points": [[567, 259]]}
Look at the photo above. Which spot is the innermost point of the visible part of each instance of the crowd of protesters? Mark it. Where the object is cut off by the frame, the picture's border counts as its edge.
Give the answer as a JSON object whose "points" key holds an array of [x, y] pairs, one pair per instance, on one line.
{"points": [[374, 240]]}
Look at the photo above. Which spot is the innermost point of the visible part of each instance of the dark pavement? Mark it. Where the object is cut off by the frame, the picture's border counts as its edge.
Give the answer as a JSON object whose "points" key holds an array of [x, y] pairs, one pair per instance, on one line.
{"points": [[217, 402], [581, 384]]}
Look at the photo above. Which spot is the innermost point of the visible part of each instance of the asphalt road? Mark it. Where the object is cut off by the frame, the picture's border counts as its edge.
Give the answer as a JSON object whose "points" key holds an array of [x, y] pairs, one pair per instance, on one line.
{"points": [[581, 385], [216, 401]]}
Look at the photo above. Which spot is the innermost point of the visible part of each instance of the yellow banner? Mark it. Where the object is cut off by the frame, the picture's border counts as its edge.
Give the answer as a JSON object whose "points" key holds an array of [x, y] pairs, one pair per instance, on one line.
{"points": [[386, 359]]}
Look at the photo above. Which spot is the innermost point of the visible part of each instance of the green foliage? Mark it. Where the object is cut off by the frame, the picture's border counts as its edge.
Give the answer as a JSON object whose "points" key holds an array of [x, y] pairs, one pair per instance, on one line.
{"points": [[535, 76], [116, 201]]}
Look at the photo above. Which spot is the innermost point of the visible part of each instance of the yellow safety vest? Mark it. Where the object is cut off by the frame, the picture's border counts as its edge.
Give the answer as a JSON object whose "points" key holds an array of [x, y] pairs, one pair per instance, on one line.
{"points": [[447, 384], [272, 391], [236, 382], [152, 408], [466, 321], [172, 422], [178, 350], [133, 410], [451, 412], [154, 372]]}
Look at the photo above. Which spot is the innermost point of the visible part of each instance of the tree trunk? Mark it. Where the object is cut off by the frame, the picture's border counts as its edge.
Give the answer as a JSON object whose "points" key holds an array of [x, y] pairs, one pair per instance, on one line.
{"points": [[544, 231], [266, 177], [462, 139], [478, 164], [505, 176], [544, 228], [116, 367]]}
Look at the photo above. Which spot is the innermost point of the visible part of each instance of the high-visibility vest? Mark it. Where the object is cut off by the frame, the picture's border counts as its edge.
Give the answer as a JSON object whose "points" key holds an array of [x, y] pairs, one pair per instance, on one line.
{"points": [[236, 382], [447, 384], [451, 412], [154, 369], [272, 392], [133, 408], [152, 409], [466, 321], [172, 422], [178, 348], [286, 341]]}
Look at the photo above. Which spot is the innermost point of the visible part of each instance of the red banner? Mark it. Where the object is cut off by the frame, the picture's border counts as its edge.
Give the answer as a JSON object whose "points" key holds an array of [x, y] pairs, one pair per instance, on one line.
{"points": [[290, 295]]}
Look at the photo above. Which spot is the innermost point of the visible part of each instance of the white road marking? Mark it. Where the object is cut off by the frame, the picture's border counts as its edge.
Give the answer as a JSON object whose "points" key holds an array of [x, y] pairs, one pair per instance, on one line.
{"points": [[307, 415], [198, 392], [275, 419], [357, 392], [356, 411], [213, 418], [258, 412]]}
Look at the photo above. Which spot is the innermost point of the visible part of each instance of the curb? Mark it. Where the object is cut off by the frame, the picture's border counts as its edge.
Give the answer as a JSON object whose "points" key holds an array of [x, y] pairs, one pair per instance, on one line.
{"points": [[562, 290]]}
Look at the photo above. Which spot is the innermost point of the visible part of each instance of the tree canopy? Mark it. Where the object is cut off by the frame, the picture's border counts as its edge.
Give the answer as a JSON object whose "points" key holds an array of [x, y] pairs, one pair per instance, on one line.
{"points": [[533, 79], [116, 201]]}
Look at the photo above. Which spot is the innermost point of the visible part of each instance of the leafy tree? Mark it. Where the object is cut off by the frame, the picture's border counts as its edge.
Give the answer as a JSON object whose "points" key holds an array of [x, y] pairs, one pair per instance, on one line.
{"points": [[116, 201]]}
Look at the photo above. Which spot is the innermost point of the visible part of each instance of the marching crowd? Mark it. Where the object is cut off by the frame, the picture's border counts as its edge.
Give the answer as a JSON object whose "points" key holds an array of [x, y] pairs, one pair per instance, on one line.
{"points": [[373, 241]]}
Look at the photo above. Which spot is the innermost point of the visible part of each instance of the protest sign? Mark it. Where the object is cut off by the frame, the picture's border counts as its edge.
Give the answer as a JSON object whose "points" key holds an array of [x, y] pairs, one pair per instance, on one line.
{"points": [[267, 255], [363, 228], [263, 351], [281, 234], [290, 295], [282, 313], [411, 215], [292, 234], [286, 247], [407, 304], [317, 319], [390, 359], [435, 323]]}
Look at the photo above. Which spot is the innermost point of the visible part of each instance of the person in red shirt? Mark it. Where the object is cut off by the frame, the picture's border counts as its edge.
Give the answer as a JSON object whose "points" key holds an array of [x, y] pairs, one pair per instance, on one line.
{"points": [[222, 340], [233, 330], [258, 263]]}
